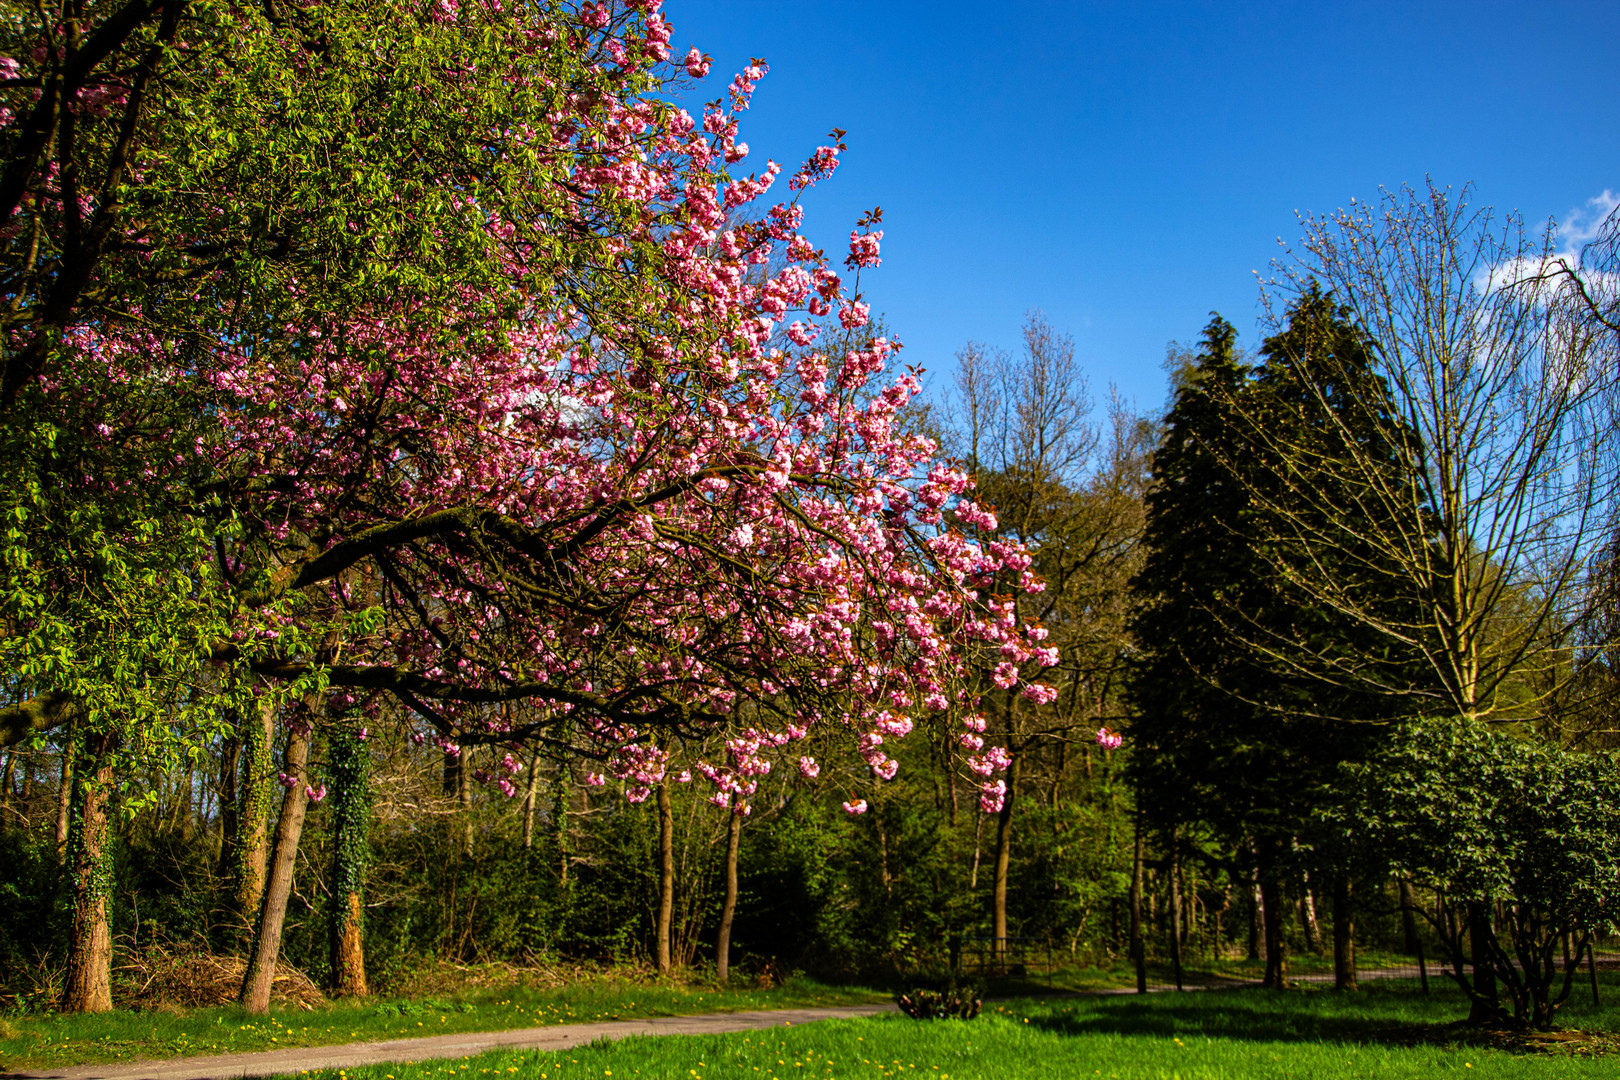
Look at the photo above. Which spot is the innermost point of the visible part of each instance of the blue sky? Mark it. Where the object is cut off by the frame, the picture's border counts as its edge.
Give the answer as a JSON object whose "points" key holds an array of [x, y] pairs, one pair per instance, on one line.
{"points": [[1127, 167]]}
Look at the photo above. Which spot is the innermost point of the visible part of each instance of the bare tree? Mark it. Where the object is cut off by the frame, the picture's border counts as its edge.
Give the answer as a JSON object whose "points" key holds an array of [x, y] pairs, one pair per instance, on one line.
{"points": [[1494, 400]]}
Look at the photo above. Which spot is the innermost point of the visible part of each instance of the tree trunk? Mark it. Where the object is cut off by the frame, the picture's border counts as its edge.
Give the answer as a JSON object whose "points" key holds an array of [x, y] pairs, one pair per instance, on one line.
{"points": [[666, 875], [1175, 908], [1271, 920], [1255, 908], [1307, 916], [261, 969], [64, 795], [1486, 1007], [1409, 929], [250, 849], [998, 903], [529, 796], [230, 760], [1138, 946], [350, 774], [348, 948], [89, 973], [1344, 934], [559, 826], [722, 949], [5, 789]]}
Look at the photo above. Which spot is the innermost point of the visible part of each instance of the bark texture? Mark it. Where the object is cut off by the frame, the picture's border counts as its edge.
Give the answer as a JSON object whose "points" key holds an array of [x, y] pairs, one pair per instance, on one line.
{"points": [[728, 909], [666, 875], [1344, 934], [261, 970], [89, 973]]}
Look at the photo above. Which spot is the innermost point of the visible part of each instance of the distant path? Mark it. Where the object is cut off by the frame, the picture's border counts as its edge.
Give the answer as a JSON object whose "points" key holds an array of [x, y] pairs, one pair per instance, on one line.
{"points": [[353, 1055]]}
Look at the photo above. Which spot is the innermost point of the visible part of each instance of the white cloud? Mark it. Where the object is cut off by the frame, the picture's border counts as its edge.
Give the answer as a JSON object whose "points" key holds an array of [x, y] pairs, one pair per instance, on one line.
{"points": [[1583, 223]]}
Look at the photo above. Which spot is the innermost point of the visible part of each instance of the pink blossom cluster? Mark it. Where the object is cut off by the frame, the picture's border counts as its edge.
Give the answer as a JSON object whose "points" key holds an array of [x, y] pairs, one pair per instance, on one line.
{"points": [[666, 505]]}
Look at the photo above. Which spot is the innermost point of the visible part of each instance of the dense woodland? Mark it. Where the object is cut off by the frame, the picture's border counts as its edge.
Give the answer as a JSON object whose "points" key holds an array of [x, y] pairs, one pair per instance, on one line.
{"points": [[491, 559]]}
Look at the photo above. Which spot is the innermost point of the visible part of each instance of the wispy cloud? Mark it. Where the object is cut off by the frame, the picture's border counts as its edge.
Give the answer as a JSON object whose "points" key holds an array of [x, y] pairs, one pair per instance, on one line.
{"points": [[1583, 223]]}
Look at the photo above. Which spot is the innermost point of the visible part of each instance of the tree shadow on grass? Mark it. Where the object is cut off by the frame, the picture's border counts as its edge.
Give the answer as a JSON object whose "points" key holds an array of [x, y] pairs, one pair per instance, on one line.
{"points": [[1261, 1016]]}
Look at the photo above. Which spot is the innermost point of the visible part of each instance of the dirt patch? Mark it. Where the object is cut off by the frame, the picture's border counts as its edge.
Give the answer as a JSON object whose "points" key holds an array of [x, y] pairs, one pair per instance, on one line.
{"points": [[180, 979]]}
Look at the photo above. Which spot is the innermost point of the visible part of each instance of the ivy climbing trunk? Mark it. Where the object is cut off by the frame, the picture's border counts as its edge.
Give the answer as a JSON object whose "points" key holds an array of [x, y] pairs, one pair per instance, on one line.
{"points": [[89, 973], [666, 875], [250, 840], [261, 970], [349, 773], [722, 947]]}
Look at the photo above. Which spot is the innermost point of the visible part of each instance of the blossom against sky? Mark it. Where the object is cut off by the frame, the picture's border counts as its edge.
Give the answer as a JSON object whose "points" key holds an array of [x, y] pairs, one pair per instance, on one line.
{"points": [[1128, 167]]}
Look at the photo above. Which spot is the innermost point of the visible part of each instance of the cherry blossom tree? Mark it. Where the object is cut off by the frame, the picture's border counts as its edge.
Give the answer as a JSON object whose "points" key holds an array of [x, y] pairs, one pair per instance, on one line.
{"points": [[460, 387]]}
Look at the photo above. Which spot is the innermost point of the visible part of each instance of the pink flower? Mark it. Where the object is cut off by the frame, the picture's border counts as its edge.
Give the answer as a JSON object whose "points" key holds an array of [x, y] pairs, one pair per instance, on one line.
{"points": [[854, 313], [316, 794], [1108, 740], [595, 779], [808, 768], [1039, 693], [992, 796], [856, 807], [863, 249], [697, 64]]}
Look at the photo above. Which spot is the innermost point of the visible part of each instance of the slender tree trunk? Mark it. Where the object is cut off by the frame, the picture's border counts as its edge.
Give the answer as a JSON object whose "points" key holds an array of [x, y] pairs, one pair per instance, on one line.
{"points": [[666, 875], [1307, 916], [250, 850], [1256, 907], [261, 969], [1344, 934], [529, 797], [1485, 1007], [1138, 946], [230, 760], [64, 794], [1004, 829], [1409, 929], [89, 973], [1271, 920], [722, 950], [5, 790], [464, 802], [1175, 908]]}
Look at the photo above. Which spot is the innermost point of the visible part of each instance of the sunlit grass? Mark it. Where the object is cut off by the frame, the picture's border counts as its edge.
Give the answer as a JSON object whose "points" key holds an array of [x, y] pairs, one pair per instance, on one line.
{"points": [[1315, 1034], [62, 1040]]}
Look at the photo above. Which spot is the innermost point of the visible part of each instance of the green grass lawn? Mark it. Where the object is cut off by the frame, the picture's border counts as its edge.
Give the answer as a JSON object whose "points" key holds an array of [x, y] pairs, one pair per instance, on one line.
{"points": [[1315, 1034], [65, 1040]]}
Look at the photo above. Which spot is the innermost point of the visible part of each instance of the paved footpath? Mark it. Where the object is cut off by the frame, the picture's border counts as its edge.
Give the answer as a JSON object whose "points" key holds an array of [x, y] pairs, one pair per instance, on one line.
{"points": [[352, 1055]]}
